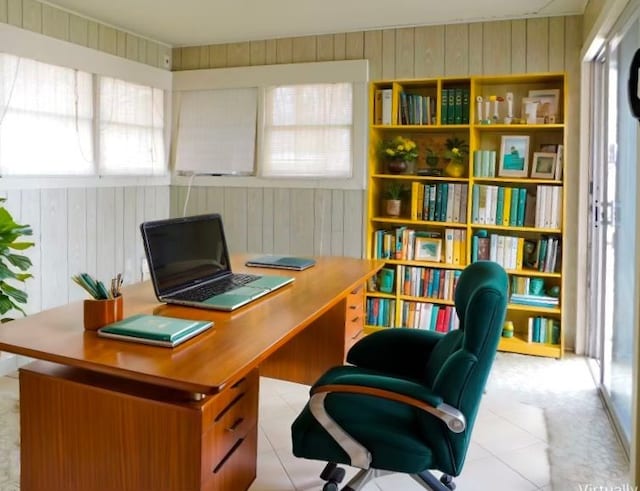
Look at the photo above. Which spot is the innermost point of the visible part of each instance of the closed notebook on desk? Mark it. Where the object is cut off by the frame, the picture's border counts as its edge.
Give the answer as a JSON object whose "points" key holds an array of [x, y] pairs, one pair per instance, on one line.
{"points": [[154, 329], [282, 262]]}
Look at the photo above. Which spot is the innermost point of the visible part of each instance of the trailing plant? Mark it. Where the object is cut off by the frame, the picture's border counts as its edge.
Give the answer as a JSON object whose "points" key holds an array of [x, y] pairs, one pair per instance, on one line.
{"points": [[13, 266]]}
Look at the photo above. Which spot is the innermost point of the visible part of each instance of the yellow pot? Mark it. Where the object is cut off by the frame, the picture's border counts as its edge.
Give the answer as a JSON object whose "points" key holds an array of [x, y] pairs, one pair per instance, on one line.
{"points": [[454, 169]]}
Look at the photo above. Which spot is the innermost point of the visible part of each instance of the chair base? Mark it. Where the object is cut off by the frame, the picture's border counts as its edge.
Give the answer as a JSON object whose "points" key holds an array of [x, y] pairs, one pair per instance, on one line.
{"points": [[334, 475]]}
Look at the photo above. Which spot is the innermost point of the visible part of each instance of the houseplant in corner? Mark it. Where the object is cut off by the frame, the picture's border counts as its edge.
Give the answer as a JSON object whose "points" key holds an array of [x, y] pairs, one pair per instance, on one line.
{"points": [[13, 266]]}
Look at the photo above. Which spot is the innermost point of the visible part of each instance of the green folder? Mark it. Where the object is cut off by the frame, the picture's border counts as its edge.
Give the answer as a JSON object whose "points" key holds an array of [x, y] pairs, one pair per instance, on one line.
{"points": [[156, 327]]}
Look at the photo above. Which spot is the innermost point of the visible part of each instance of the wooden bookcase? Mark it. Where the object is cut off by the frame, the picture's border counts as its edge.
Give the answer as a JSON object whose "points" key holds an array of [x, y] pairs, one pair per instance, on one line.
{"points": [[430, 111]]}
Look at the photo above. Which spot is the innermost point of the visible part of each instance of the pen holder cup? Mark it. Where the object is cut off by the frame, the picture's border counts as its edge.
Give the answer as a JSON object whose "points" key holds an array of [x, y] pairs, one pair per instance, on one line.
{"points": [[99, 313]]}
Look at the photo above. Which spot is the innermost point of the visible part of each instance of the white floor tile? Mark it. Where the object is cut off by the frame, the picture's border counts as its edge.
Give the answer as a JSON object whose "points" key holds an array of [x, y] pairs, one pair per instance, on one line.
{"points": [[491, 474], [498, 435], [531, 462], [271, 476]]}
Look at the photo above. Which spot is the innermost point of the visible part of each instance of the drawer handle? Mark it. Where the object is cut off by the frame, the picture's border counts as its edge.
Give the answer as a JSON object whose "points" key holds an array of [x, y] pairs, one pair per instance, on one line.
{"points": [[353, 307], [229, 406], [355, 319], [239, 383], [228, 456], [358, 334], [235, 425]]}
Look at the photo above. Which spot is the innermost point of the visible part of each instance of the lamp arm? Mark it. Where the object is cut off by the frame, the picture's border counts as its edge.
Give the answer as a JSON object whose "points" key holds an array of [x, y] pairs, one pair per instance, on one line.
{"points": [[453, 417]]}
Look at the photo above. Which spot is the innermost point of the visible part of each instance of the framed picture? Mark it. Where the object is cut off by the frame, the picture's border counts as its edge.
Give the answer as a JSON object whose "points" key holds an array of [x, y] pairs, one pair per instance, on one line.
{"points": [[549, 147], [514, 156], [428, 249], [544, 165], [548, 105]]}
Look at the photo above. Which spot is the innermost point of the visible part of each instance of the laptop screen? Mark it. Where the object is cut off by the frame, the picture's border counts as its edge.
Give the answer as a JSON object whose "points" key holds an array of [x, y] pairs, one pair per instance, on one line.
{"points": [[183, 252]]}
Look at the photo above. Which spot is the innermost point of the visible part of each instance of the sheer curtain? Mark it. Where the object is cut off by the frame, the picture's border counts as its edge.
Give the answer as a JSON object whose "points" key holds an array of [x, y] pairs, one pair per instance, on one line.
{"points": [[131, 128], [308, 131], [46, 114]]}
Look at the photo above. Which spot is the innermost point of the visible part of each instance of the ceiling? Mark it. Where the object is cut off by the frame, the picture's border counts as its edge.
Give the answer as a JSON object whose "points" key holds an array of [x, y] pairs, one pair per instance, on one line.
{"points": [[201, 22]]}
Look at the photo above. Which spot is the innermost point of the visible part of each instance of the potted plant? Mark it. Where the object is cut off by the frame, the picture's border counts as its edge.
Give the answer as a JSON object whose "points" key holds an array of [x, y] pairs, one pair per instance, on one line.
{"points": [[393, 194], [432, 159], [399, 152], [457, 152], [12, 266]]}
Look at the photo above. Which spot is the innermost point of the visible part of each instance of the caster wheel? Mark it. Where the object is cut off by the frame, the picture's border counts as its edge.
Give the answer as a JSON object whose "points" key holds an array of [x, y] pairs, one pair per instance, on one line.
{"points": [[330, 486], [447, 480], [332, 473]]}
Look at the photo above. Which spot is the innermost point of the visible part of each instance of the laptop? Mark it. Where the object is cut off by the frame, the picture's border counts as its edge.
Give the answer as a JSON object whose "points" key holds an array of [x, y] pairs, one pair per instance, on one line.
{"points": [[282, 262], [189, 264]]}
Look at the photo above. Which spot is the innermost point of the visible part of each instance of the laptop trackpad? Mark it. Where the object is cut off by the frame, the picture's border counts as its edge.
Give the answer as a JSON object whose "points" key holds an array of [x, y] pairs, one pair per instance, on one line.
{"points": [[269, 282], [236, 296]]}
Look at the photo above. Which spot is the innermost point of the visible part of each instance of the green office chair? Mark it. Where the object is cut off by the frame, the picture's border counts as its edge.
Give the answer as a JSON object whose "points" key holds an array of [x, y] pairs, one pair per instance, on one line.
{"points": [[409, 399]]}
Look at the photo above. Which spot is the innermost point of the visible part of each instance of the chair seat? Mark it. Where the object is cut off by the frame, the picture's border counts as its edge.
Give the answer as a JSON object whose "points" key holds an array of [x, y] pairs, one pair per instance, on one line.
{"points": [[389, 430]]}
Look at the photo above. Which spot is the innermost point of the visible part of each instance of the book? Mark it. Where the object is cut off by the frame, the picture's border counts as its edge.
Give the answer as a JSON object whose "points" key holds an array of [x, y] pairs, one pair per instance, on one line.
{"points": [[386, 105], [154, 329]]}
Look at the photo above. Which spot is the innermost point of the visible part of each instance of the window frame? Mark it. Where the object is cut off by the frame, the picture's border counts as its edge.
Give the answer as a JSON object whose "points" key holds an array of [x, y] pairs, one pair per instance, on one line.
{"points": [[355, 72], [45, 49]]}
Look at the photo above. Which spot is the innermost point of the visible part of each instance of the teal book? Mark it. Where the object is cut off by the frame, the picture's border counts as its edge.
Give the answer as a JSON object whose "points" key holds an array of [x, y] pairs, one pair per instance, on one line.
{"points": [[457, 117], [155, 329], [465, 106], [499, 205], [445, 196], [475, 204], [444, 107], [513, 212], [452, 107], [522, 206]]}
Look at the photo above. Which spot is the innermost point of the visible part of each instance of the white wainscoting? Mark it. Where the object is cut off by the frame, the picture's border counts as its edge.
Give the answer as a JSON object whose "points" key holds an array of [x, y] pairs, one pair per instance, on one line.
{"points": [[93, 230]]}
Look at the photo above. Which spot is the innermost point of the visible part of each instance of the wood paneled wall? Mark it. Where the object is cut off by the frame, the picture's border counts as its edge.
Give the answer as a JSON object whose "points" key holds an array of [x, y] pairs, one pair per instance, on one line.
{"points": [[57, 23], [93, 230], [281, 220], [491, 48]]}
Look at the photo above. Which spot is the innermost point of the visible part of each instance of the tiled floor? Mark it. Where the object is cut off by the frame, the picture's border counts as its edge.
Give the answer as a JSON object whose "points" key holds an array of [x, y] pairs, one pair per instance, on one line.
{"points": [[508, 450]]}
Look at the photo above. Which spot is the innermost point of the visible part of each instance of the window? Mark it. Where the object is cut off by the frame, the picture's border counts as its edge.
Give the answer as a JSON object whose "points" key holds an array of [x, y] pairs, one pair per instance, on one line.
{"points": [[131, 128], [46, 119], [308, 131], [217, 131]]}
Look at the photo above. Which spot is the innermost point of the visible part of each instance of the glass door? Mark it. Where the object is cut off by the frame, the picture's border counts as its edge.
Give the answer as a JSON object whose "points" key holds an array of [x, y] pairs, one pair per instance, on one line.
{"points": [[613, 287]]}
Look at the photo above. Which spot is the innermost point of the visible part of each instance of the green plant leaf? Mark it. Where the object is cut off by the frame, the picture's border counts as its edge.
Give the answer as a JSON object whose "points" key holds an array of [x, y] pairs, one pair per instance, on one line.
{"points": [[19, 261], [5, 304], [20, 246], [16, 294]]}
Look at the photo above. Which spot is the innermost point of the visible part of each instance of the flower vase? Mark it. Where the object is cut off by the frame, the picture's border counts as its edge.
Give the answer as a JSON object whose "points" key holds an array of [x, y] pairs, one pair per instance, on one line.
{"points": [[396, 166]]}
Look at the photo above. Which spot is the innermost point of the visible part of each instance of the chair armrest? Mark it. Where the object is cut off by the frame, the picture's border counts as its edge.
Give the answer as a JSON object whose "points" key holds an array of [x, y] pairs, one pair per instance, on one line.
{"points": [[376, 351], [403, 391]]}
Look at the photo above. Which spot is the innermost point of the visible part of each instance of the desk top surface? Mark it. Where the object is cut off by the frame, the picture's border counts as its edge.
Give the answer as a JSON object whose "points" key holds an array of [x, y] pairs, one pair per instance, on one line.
{"points": [[238, 342]]}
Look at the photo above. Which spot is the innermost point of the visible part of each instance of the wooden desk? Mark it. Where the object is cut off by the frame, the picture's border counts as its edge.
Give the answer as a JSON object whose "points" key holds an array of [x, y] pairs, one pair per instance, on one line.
{"points": [[110, 415]]}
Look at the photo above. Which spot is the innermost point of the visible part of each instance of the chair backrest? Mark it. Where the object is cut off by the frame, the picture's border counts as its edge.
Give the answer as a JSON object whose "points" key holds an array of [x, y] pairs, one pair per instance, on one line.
{"points": [[460, 363]]}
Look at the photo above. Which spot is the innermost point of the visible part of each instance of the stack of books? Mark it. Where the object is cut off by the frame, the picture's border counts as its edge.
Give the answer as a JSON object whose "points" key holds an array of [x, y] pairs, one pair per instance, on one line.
{"points": [[154, 329], [535, 300]]}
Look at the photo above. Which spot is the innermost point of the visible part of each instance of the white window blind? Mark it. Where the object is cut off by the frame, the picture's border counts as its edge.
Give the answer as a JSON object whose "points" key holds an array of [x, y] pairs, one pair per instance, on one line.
{"points": [[46, 118], [131, 128], [308, 131], [217, 131]]}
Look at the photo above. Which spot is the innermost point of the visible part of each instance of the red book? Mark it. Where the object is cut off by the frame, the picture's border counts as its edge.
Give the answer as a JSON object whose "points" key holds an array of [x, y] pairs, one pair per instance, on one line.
{"points": [[440, 322], [447, 319]]}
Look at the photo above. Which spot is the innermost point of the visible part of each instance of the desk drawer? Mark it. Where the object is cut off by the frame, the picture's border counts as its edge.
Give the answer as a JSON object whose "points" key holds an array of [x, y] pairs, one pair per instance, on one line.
{"points": [[237, 469], [354, 327], [230, 425], [243, 389]]}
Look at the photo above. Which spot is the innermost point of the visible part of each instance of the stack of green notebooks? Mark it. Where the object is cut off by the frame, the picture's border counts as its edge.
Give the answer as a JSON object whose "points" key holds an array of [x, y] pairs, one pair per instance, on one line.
{"points": [[157, 330]]}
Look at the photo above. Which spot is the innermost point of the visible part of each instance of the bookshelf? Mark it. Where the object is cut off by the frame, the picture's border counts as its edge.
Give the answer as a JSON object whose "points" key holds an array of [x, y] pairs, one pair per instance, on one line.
{"points": [[505, 203]]}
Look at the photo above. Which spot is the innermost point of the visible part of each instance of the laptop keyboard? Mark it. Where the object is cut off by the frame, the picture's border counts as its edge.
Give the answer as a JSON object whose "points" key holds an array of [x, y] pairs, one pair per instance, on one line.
{"points": [[216, 287]]}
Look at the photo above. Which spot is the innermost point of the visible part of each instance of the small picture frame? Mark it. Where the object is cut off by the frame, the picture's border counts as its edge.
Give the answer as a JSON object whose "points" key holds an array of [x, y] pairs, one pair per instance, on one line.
{"points": [[549, 147], [548, 105], [514, 156], [544, 165], [428, 249]]}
